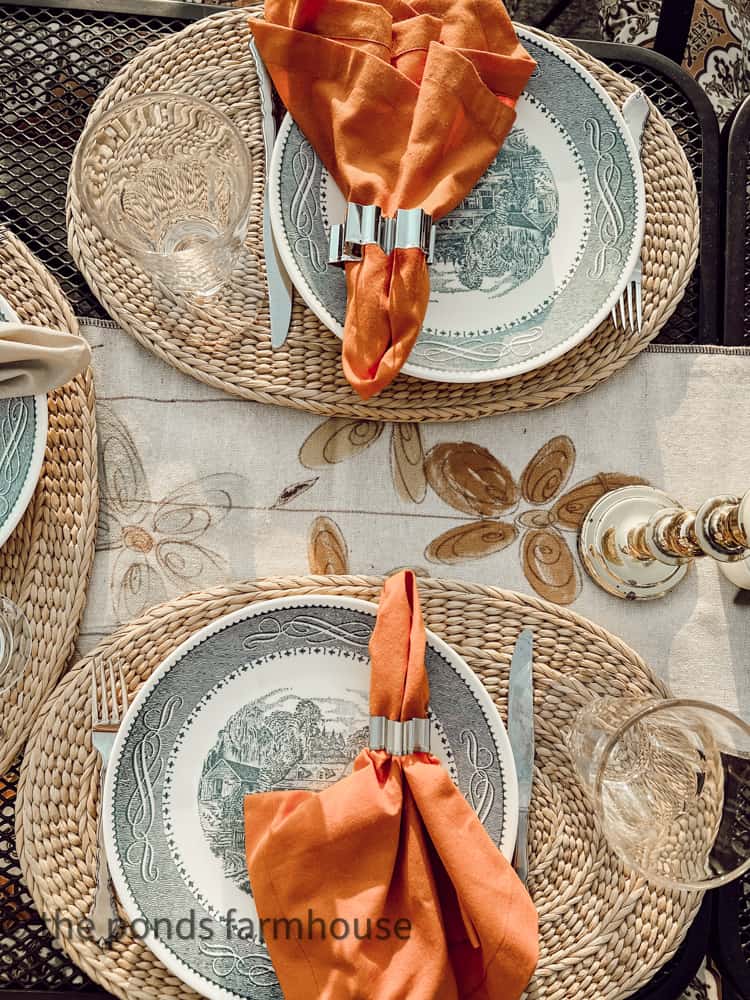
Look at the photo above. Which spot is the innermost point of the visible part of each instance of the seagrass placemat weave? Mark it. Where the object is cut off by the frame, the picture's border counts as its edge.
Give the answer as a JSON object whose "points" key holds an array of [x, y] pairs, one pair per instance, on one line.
{"points": [[225, 342], [604, 932], [45, 564]]}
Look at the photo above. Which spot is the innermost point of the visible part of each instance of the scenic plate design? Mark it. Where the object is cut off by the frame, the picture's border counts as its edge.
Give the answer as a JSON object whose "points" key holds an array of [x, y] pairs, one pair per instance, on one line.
{"points": [[273, 696], [23, 437], [529, 263], [280, 741]]}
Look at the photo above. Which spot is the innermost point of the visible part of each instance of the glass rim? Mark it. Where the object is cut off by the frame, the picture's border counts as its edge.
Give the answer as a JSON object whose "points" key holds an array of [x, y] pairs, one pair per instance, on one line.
{"points": [[239, 214], [651, 707]]}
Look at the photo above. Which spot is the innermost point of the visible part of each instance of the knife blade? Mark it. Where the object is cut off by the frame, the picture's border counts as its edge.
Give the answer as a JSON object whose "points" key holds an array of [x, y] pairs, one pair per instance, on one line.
{"points": [[279, 282], [521, 735]]}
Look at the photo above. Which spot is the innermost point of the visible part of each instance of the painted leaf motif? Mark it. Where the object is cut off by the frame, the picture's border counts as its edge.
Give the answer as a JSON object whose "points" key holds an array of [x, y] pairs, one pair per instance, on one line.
{"points": [[327, 551], [337, 439], [549, 566], [293, 491], [407, 462], [549, 470], [470, 479], [570, 510], [471, 541]]}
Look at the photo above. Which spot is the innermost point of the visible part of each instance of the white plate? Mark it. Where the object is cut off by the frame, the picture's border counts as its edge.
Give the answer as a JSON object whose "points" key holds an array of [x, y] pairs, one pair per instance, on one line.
{"points": [[532, 260], [23, 439], [272, 696]]}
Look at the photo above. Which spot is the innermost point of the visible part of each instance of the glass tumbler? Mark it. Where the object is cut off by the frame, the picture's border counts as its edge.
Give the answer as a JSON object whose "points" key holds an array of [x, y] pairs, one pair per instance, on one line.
{"points": [[168, 178], [15, 644], [669, 780]]}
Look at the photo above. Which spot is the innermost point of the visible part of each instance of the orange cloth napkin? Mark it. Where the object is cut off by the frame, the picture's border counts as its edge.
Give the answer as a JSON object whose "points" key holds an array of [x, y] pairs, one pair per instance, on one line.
{"points": [[394, 841], [406, 104]]}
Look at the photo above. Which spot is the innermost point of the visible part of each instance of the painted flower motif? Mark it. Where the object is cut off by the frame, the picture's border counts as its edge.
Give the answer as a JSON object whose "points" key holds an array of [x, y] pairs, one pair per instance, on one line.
{"points": [[340, 438], [470, 479], [337, 440], [160, 545]]}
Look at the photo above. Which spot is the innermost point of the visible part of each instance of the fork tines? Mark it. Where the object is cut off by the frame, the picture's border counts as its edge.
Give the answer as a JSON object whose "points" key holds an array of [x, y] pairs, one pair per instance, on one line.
{"points": [[632, 300]]}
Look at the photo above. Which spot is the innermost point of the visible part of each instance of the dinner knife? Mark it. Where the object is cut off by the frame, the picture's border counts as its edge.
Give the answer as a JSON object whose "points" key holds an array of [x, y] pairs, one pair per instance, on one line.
{"points": [[521, 735], [279, 282]]}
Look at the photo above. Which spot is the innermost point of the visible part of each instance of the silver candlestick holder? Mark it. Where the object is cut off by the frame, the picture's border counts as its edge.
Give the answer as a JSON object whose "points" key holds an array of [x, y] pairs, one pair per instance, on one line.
{"points": [[638, 543]]}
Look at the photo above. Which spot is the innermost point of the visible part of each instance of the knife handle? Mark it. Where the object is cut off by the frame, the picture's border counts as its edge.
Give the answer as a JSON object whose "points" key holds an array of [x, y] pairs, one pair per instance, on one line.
{"points": [[521, 858]]}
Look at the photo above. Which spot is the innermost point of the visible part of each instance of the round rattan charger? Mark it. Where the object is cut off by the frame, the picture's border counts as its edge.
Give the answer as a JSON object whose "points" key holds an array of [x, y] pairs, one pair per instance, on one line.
{"points": [[226, 342], [604, 932], [45, 564]]}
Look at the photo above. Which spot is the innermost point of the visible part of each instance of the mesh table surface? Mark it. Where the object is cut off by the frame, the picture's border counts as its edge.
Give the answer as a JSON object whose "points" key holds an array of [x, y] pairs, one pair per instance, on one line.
{"points": [[689, 112], [55, 61], [737, 248]]}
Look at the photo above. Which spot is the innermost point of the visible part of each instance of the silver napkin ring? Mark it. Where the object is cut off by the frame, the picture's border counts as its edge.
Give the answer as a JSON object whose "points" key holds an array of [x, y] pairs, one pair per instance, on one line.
{"points": [[399, 738], [366, 224]]}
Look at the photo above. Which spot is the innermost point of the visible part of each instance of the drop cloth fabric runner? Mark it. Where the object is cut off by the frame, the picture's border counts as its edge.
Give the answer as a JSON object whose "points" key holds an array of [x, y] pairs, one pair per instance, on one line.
{"points": [[198, 488]]}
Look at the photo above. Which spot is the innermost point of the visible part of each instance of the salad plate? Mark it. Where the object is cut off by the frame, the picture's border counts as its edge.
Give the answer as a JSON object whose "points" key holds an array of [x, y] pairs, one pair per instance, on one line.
{"points": [[273, 696], [23, 439], [530, 262]]}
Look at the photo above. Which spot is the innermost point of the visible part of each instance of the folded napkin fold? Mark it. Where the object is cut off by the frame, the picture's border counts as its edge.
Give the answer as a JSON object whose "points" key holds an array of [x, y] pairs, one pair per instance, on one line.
{"points": [[395, 843], [406, 104], [34, 359]]}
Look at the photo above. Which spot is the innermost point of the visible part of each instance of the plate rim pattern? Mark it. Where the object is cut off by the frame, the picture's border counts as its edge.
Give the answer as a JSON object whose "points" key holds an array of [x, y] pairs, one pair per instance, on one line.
{"points": [[174, 962], [523, 364]]}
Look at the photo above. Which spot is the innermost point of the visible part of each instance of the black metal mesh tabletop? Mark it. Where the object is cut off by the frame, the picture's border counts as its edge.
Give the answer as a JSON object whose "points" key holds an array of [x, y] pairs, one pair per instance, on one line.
{"points": [[56, 58], [737, 248], [55, 61]]}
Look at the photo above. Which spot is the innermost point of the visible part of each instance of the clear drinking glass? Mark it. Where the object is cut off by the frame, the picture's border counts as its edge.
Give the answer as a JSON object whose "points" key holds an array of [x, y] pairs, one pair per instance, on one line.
{"points": [[670, 783], [168, 178], [15, 644]]}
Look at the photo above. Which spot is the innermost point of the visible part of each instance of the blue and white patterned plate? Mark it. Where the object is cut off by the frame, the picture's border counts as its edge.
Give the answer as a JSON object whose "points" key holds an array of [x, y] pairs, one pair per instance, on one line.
{"points": [[23, 438], [272, 696], [529, 264]]}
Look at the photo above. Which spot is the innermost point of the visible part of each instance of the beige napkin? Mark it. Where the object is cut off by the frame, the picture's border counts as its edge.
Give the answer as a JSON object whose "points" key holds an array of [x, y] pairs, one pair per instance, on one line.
{"points": [[35, 359]]}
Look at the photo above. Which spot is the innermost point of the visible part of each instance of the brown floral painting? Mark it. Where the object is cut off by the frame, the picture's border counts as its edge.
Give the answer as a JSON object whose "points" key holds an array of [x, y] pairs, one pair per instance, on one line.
{"points": [[538, 510], [161, 544], [340, 438], [472, 480]]}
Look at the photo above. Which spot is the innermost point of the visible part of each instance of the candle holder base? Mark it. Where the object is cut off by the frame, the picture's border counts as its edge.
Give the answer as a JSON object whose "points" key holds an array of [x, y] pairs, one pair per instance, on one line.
{"points": [[605, 545], [737, 572]]}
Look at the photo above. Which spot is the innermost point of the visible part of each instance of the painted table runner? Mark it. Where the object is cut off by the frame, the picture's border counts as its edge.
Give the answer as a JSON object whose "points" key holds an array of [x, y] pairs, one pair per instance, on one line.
{"points": [[198, 488]]}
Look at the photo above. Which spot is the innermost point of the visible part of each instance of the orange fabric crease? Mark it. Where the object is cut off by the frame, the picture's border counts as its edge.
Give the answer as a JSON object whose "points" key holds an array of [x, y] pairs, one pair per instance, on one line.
{"points": [[394, 840], [406, 105]]}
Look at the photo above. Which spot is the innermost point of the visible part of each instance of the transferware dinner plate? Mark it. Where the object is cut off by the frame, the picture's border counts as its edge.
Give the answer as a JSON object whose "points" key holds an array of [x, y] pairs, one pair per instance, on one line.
{"points": [[274, 696], [529, 264], [23, 438]]}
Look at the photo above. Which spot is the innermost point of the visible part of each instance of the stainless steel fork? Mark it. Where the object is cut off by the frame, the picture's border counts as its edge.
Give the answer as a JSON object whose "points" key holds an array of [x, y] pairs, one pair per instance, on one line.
{"points": [[107, 712], [635, 111]]}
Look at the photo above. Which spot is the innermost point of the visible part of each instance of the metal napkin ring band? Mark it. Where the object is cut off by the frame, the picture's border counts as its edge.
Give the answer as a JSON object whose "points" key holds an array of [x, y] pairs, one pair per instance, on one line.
{"points": [[365, 224], [399, 738]]}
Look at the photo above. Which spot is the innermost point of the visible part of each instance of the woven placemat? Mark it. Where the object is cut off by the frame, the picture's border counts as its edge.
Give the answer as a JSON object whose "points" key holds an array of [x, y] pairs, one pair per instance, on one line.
{"points": [[604, 932], [45, 564], [226, 343]]}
